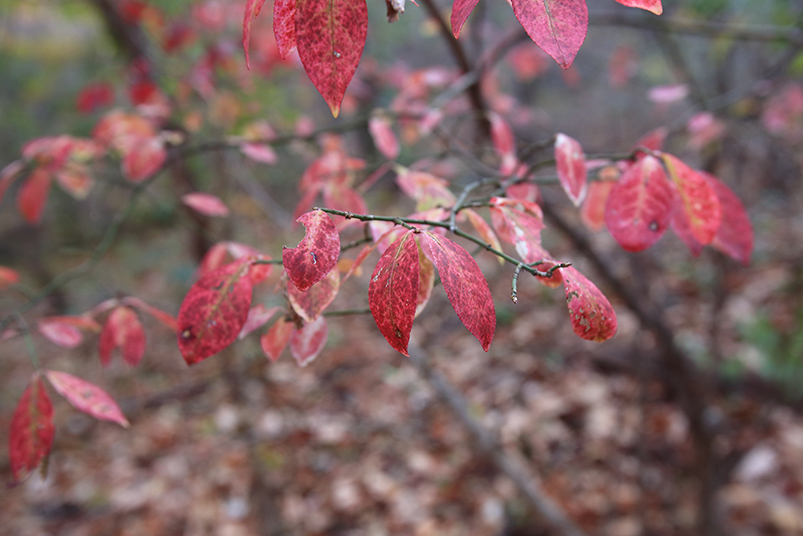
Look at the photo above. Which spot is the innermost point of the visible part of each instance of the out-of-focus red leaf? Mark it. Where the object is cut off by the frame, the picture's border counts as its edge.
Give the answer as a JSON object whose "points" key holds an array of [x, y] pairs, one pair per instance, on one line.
{"points": [[461, 9], [284, 26], [622, 66], [166, 319], [206, 204], [639, 205], [178, 36], [214, 311], [346, 199], [593, 210], [252, 9], [86, 397], [592, 315], [258, 316], [504, 142], [704, 128], [383, 136], [393, 291], [215, 257], [331, 62], [93, 96], [31, 432], [650, 5], [668, 94], [426, 281], [60, 331], [680, 225], [308, 342], [735, 234], [524, 191], [75, 180], [122, 330], [484, 230], [698, 199], [144, 159], [276, 339], [571, 164], [518, 222], [310, 303], [426, 189], [653, 140], [32, 195], [465, 286], [558, 27], [259, 152], [317, 252], [8, 277]]}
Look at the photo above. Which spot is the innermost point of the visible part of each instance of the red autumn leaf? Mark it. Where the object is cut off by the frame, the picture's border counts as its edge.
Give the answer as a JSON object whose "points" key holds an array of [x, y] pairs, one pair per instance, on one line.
{"points": [[393, 291], [93, 96], [258, 272], [31, 431], [206, 204], [680, 225], [122, 330], [317, 252], [311, 303], [32, 195], [75, 180], [284, 26], [214, 311], [484, 230], [330, 35], [426, 189], [343, 198], [306, 343], [145, 158], [735, 234], [166, 319], [8, 277], [558, 27], [426, 281], [653, 140], [276, 339], [86, 397], [258, 316], [259, 152], [383, 136], [571, 164], [639, 205], [60, 331], [465, 286], [518, 222], [698, 200], [252, 9], [650, 5], [461, 9], [504, 143], [593, 210], [592, 315]]}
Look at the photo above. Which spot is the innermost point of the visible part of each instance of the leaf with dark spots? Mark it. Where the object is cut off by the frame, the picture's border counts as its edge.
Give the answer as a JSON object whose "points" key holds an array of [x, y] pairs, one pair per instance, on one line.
{"points": [[592, 315], [317, 252], [86, 397]]}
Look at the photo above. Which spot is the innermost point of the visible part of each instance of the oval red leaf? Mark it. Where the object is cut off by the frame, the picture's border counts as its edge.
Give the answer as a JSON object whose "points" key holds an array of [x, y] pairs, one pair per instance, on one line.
{"points": [[650, 5], [570, 161], [308, 342], [284, 26], [465, 286], [32, 195], [122, 330], [393, 291], [214, 311], [252, 9], [699, 201], [311, 303], [735, 234], [206, 204], [592, 315], [558, 27], [461, 9], [383, 136], [60, 332], [31, 431], [8, 277], [317, 252], [86, 397], [276, 339]]}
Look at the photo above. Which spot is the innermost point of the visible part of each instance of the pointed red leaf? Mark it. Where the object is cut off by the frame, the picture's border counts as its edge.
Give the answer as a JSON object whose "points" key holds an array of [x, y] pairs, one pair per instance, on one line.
{"points": [[426, 281], [284, 26], [258, 316], [60, 332], [393, 291], [465, 286], [383, 136], [504, 143], [214, 311], [308, 342], [8, 277], [259, 152], [144, 159], [484, 230], [698, 199], [311, 303], [558, 27], [592, 315], [32, 195], [461, 9], [518, 222], [206, 204], [252, 9], [428, 190], [571, 164], [735, 234], [86, 397], [330, 35], [276, 339], [31, 431], [122, 330], [317, 252], [680, 225], [650, 5], [593, 210], [166, 319], [639, 206]]}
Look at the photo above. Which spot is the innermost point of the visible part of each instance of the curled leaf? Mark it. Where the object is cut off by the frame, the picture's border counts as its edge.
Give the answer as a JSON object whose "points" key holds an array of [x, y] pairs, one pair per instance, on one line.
{"points": [[317, 252], [86, 397], [571, 165]]}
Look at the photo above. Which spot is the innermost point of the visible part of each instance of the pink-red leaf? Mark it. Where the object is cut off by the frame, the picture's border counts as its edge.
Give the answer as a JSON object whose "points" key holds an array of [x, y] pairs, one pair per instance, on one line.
{"points": [[330, 35], [252, 9], [383, 136], [426, 281], [8, 277], [258, 316], [650, 5], [307, 342], [284, 26], [214, 311], [86, 397], [32, 431], [639, 205], [484, 230], [166, 319], [504, 143], [276, 339], [61, 332], [593, 210], [33, 195], [698, 200], [311, 303], [518, 222], [144, 159], [735, 234], [426, 189], [592, 315], [122, 330], [465, 286], [571, 165], [317, 252], [206, 204], [393, 291], [558, 27], [461, 9]]}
